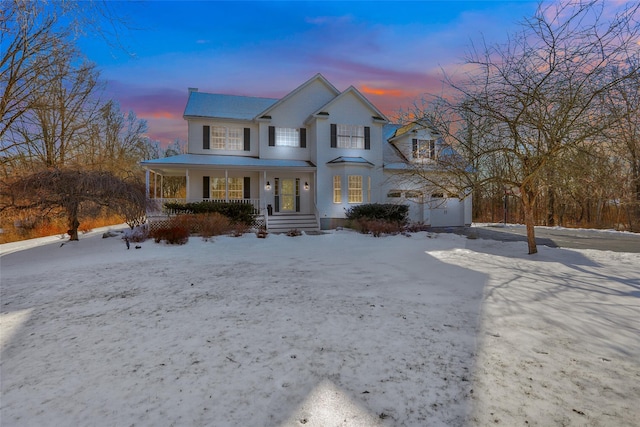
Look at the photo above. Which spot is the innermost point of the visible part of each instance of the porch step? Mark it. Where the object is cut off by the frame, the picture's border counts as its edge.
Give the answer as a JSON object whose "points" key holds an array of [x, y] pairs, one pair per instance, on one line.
{"points": [[282, 223]]}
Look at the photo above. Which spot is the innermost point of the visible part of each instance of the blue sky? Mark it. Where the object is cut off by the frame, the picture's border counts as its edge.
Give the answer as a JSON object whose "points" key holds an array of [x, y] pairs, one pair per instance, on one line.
{"points": [[393, 52]]}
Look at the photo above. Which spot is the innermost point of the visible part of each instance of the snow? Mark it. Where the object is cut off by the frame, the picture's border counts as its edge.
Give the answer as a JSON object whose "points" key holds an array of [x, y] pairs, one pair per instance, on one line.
{"points": [[335, 329]]}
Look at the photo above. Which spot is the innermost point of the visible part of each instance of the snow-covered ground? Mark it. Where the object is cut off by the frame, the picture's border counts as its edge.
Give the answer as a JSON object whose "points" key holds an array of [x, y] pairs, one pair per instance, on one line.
{"points": [[337, 329]]}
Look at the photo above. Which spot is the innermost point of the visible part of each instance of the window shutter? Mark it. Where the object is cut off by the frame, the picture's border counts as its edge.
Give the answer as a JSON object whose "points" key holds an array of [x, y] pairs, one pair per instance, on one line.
{"points": [[334, 135], [367, 138], [272, 136], [297, 194], [206, 134], [414, 148], [247, 139], [206, 186], [247, 187], [432, 150], [303, 137]]}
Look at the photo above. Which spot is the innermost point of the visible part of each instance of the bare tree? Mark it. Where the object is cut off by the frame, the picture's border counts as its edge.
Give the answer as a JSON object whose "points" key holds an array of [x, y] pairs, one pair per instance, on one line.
{"points": [[37, 37], [70, 190], [540, 95]]}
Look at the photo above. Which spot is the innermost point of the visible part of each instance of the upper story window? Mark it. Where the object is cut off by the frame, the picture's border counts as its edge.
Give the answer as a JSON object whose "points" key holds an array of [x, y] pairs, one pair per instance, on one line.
{"points": [[287, 137], [350, 136], [424, 149], [226, 138]]}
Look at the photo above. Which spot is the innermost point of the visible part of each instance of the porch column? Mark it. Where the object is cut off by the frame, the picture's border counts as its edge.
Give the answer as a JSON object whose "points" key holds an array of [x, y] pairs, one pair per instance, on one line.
{"points": [[186, 173], [263, 192], [226, 185], [155, 185], [146, 183], [162, 187]]}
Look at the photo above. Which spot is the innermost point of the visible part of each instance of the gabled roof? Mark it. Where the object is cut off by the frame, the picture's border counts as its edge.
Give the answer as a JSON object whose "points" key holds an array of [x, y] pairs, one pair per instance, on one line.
{"points": [[377, 114], [419, 124], [318, 77], [221, 106]]}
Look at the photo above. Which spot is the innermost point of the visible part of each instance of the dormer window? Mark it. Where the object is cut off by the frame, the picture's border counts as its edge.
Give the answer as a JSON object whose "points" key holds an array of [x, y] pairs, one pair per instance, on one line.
{"points": [[423, 149]]}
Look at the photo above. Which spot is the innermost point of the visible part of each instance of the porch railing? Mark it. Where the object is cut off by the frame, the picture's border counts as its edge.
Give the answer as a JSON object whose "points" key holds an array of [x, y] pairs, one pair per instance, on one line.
{"points": [[158, 207]]}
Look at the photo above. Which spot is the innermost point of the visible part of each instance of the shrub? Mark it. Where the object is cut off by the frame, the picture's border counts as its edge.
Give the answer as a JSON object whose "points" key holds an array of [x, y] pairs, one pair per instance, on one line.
{"points": [[262, 233], [294, 232], [209, 225], [414, 227], [172, 234], [236, 212], [377, 227], [386, 212], [137, 234]]}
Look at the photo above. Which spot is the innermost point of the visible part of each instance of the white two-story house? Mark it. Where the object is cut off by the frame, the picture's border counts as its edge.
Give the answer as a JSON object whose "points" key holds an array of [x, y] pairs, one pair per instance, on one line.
{"points": [[301, 160]]}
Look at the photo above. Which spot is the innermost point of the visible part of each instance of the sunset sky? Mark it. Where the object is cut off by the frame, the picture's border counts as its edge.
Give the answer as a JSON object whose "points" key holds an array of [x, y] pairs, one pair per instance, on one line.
{"points": [[393, 52]]}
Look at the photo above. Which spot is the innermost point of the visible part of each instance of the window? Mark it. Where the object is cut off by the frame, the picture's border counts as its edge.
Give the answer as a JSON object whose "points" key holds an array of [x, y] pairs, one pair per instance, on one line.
{"points": [[355, 189], [350, 136], [218, 190], [224, 138], [337, 189], [412, 194], [394, 194], [236, 188], [287, 137], [424, 149]]}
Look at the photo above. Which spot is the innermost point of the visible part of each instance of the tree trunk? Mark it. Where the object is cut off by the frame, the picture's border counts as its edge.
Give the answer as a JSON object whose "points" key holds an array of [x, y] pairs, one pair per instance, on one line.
{"points": [[73, 223], [528, 202]]}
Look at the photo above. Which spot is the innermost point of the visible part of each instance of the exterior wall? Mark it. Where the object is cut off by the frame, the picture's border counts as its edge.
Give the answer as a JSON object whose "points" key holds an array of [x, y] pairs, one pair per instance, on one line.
{"points": [[292, 113], [194, 137], [195, 190], [306, 196], [350, 110]]}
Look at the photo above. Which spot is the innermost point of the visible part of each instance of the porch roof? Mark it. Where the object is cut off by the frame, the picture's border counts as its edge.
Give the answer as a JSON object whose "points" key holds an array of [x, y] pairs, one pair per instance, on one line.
{"points": [[217, 161]]}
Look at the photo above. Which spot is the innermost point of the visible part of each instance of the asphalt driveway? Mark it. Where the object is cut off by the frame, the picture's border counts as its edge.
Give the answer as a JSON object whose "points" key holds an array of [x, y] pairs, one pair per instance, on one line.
{"points": [[553, 237]]}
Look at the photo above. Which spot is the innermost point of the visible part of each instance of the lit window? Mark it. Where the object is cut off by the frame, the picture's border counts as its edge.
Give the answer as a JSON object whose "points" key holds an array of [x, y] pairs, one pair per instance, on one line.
{"points": [[224, 138], [394, 194], [355, 189], [424, 149], [236, 188], [287, 137], [350, 136], [413, 194], [337, 189], [218, 190]]}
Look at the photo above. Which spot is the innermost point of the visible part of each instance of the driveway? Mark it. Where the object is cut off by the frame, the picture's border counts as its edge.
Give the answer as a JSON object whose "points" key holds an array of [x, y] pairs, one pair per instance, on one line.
{"points": [[553, 237]]}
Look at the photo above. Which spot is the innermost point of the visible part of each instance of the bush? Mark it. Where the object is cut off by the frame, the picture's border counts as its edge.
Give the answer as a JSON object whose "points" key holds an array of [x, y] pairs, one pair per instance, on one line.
{"points": [[377, 227], [236, 212], [377, 211], [172, 234], [209, 225], [294, 232], [138, 233]]}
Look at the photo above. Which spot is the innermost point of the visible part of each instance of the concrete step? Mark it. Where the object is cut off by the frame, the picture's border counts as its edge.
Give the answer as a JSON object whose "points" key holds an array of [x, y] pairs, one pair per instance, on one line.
{"points": [[285, 222]]}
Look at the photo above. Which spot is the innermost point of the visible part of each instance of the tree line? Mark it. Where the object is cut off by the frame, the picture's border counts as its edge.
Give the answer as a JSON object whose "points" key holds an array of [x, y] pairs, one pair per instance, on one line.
{"points": [[549, 120], [62, 147]]}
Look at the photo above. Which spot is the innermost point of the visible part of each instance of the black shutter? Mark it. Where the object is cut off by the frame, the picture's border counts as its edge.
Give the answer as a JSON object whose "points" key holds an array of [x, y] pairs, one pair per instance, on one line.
{"points": [[334, 135], [367, 138], [276, 194], [303, 137], [247, 139], [206, 186], [432, 149], [247, 187], [414, 148], [272, 136], [206, 133]]}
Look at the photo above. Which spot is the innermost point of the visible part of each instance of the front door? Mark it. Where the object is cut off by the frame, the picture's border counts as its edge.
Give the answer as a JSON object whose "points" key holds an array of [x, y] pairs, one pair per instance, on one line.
{"points": [[287, 195]]}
